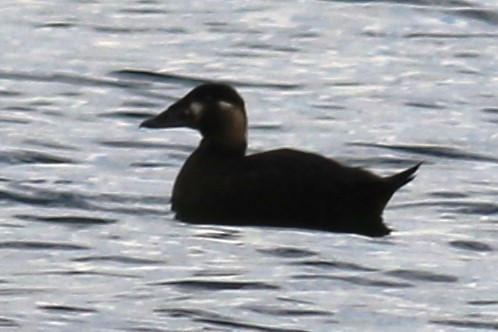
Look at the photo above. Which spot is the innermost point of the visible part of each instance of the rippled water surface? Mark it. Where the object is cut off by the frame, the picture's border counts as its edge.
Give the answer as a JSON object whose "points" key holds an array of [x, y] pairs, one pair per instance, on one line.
{"points": [[87, 239]]}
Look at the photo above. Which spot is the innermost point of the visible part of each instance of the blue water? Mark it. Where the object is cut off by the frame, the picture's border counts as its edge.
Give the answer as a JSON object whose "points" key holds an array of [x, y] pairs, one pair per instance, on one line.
{"points": [[87, 239]]}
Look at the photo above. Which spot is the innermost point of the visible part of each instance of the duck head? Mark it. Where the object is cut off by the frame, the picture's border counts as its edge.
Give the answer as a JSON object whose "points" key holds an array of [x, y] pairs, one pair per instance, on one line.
{"points": [[216, 110]]}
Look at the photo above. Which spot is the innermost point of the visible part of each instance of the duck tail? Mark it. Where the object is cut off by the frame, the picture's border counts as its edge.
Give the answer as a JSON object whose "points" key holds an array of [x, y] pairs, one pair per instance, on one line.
{"points": [[384, 193], [397, 181], [392, 184]]}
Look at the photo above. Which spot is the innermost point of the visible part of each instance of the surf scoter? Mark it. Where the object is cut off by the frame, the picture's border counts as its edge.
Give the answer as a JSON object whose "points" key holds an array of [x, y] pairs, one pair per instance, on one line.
{"points": [[219, 184]]}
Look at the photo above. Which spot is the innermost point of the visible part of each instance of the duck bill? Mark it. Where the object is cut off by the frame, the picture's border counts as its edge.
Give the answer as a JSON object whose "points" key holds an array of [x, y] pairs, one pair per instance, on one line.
{"points": [[173, 117]]}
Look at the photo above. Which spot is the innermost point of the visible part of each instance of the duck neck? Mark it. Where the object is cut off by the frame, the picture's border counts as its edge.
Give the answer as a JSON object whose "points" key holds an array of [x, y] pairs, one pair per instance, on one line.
{"points": [[225, 146]]}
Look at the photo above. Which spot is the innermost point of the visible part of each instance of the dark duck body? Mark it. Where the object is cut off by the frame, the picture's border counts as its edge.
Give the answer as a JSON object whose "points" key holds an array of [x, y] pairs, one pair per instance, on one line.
{"points": [[219, 184]]}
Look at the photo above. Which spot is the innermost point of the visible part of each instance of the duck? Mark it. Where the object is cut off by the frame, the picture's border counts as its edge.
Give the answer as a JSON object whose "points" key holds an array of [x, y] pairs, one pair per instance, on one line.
{"points": [[220, 184]]}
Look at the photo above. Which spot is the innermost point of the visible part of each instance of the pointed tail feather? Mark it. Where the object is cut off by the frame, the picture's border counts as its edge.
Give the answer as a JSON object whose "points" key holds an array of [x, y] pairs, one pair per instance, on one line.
{"points": [[397, 181], [392, 184]]}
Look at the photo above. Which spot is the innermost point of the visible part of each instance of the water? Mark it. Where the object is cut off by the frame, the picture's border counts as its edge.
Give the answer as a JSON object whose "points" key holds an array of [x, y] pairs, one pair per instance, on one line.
{"points": [[87, 241]]}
